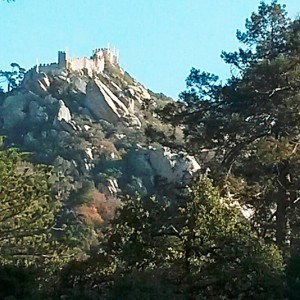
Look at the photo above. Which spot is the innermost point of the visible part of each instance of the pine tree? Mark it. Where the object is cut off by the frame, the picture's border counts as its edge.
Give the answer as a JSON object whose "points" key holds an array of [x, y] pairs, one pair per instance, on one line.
{"points": [[251, 125], [27, 212], [200, 247]]}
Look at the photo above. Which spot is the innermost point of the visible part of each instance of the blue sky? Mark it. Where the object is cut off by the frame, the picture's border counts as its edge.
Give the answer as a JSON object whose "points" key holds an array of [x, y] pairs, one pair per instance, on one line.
{"points": [[159, 40]]}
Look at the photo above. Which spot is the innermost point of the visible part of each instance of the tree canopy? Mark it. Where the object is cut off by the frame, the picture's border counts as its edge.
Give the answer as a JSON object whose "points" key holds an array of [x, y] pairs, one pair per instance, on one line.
{"points": [[250, 125], [200, 247], [29, 212], [233, 233], [14, 77]]}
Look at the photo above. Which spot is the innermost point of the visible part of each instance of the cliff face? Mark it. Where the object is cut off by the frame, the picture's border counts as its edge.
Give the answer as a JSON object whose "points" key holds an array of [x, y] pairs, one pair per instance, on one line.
{"points": [[93, 129]]}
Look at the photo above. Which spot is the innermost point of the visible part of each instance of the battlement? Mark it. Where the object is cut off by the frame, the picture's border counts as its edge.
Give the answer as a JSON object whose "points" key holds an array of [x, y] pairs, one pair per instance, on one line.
{"points": [[93, 64], [111, 55]]}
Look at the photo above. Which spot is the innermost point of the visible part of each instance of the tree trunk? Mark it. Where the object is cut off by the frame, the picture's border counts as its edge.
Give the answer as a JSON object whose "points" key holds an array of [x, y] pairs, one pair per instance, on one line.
{"points": [[283, 197], [294, 214]]}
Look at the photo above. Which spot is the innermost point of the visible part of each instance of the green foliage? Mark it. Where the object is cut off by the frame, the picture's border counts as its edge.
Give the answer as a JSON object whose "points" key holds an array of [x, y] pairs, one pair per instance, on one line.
{"points": [[201, 248], [143, 285], [27, 211], [30, 234], [18, 283], [235, 260], [250, 124], [13, 77]]}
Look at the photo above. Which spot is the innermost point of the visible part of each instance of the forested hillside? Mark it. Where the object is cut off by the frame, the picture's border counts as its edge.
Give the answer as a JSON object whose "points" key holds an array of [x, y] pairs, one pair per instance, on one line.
{"points": [[109, 190]]}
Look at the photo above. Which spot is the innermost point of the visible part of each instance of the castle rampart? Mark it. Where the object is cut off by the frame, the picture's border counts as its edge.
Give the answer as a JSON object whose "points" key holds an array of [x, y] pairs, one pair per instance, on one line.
{"points": [[94, 64]]}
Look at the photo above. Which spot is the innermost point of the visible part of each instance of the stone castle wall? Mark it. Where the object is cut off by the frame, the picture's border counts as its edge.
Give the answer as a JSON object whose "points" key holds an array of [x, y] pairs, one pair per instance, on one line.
{"points": [[111, 56], [94, 64], [47, 68], [90, 65]]}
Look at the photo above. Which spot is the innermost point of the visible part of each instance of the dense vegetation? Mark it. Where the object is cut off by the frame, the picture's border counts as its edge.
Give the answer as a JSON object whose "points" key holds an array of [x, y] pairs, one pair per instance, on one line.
{"points": [[234, 233], [251, 124]]}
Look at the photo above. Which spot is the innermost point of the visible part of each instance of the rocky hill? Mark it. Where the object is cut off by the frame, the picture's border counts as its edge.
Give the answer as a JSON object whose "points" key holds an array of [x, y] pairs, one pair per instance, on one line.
{"points": [[92, 130]]}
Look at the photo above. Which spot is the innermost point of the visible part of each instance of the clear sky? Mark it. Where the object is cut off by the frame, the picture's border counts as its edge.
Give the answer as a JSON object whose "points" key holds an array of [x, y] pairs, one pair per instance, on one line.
{"points": [[159, 40]]}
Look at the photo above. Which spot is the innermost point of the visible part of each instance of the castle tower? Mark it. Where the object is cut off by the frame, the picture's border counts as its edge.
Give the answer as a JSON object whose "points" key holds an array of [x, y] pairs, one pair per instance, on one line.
{"points": [[62, 59]]}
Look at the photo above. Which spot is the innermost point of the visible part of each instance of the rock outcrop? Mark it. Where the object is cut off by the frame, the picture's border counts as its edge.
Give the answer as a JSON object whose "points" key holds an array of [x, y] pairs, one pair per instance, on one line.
{"points": [[13, 110], [161, 164], [175, 167], [92, 128], [102, 103], [63, 112]]}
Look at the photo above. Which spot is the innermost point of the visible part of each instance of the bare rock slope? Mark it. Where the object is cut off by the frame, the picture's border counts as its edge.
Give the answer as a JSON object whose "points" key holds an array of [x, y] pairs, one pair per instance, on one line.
{"points": [[92, 128]]}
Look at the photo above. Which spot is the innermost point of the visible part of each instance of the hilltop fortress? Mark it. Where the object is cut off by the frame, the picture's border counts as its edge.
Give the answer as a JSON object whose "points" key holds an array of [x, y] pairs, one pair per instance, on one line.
{"points": [[94, 64]]}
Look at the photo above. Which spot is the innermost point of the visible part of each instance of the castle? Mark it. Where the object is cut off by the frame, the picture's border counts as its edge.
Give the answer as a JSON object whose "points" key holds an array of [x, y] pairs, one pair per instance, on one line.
{"points": [[94, 64]]}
